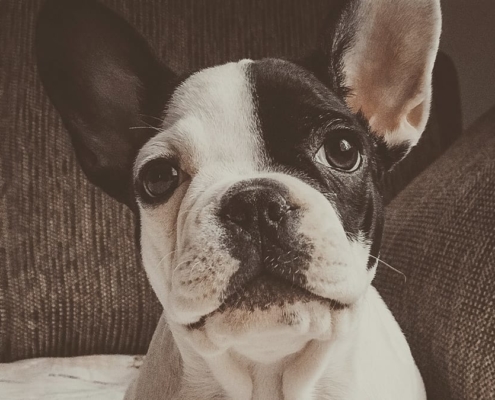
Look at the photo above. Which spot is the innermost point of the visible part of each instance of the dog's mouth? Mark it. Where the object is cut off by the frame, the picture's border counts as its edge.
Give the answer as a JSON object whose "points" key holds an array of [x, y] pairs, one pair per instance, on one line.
{"points": [[266, 291]]}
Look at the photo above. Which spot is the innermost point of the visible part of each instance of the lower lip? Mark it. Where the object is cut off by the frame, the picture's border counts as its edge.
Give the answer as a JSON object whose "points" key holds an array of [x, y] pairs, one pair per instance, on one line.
{"points": [[264, 292]]}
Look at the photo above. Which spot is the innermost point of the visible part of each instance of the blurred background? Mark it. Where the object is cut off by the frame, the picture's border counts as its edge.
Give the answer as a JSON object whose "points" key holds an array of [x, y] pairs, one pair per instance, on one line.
{"points": [[469, 39]]}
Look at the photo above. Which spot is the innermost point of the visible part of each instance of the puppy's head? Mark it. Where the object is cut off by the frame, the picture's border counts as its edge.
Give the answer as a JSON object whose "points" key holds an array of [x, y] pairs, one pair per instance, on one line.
{"points": [[257, 183]]}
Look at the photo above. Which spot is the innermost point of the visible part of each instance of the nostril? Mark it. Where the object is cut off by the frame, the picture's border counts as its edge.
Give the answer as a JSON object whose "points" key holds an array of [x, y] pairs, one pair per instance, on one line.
{"points": [[237, 216], [276, 211]]}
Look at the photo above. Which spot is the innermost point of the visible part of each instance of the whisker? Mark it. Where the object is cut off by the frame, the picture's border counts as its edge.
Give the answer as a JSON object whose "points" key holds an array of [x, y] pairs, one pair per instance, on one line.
{"points": [[392, 268], [178, 265], [146, 127], [183, 213], [151, 116], [163, 258], [192, 269], [381, 261]]}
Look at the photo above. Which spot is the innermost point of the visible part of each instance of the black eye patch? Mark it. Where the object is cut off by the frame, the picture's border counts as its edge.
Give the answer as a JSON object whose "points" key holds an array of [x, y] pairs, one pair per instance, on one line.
{"points": [[298, 116]]}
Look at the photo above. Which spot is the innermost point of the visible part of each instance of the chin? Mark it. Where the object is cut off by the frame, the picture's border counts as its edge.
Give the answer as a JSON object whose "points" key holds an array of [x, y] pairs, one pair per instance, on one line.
{"points": [[267, 321]]}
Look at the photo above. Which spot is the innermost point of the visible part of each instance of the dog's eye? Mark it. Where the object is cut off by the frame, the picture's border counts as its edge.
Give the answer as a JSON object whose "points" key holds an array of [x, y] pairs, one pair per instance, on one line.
{"points": [[340, 151], [159, 178]]}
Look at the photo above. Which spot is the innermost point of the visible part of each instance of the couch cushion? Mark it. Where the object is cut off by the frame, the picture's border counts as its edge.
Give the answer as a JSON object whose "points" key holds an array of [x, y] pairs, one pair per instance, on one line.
{"points": [[440, 232], [70, 279]]}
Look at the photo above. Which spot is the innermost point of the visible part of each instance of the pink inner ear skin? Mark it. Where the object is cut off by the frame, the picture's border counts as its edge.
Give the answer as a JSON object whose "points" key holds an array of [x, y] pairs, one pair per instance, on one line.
{"points": [[416, 114], [389, 65], [390, 95]]}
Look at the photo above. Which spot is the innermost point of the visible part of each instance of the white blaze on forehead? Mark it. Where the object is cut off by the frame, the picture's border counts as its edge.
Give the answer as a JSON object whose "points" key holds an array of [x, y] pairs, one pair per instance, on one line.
{"points": [[210, 128], [210, 119]]}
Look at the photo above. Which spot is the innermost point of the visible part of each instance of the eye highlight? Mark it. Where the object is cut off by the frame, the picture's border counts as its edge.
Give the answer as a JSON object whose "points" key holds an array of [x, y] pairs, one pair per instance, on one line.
{"points": [[340, 151], [157, 180]]}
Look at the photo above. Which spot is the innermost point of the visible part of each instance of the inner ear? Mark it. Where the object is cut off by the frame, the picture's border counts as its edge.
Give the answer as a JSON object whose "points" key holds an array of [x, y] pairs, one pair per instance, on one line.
{"points": [[107, 85], [379, 56]]}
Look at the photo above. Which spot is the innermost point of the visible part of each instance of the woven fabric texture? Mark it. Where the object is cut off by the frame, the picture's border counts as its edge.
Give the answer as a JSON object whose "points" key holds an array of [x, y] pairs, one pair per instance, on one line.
{"points": [[70, 279], [440, 232]]}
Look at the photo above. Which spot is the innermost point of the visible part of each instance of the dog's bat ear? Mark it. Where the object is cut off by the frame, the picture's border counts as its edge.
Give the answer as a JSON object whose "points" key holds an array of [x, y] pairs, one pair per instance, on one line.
{"points": [[106, 84], [379, 56]]}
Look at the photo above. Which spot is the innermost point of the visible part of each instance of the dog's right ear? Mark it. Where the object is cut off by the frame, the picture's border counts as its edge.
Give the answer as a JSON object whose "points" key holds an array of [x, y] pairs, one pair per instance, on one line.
{"points": [[104, 81], [378, 55]]}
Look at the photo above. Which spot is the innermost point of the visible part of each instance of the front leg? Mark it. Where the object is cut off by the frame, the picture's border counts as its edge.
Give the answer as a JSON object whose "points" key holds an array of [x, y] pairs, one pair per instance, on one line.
{"points": [[160, 377]]}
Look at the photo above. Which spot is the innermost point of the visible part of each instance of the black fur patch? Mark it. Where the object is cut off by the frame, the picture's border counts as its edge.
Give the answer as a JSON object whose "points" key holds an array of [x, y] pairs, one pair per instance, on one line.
{"points": [[296, 112]]}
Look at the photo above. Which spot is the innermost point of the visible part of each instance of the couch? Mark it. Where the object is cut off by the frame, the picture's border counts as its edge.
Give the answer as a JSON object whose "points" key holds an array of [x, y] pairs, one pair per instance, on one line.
{"points": [[71, 283]]}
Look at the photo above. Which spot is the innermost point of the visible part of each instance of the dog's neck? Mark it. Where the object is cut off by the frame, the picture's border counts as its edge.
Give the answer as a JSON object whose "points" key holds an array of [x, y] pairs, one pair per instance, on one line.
{"points": [[230, 376], [321, 371]]}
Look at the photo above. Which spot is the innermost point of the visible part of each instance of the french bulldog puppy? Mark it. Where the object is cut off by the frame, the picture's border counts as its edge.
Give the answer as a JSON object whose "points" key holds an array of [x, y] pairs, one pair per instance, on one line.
{"points": [[257, 188]]}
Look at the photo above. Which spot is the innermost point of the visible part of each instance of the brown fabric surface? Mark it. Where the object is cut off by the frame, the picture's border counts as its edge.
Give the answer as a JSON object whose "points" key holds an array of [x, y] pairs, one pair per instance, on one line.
{"points": [[71, 283], [440, 232]]}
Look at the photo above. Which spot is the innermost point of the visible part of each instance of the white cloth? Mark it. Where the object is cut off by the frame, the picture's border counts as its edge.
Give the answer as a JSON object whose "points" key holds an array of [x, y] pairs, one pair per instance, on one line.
{"points": [[102, 377]]}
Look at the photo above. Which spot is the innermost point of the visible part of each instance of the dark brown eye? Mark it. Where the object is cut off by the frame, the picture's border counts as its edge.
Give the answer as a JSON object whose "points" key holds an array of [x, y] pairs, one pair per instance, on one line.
{"points": [[159, 179], [340, 152]]}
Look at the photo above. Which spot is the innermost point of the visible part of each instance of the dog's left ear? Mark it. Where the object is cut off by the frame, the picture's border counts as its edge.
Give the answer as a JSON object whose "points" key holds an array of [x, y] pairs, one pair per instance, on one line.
{"points": [[379, 55], [107, 85]]}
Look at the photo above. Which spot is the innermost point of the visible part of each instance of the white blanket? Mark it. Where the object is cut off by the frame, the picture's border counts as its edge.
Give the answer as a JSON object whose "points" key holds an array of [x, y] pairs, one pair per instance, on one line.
{"points": [[79, 378]]}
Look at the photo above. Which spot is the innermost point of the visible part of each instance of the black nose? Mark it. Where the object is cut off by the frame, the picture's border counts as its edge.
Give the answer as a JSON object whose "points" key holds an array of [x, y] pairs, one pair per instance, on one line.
{"points": [[256, 205]]}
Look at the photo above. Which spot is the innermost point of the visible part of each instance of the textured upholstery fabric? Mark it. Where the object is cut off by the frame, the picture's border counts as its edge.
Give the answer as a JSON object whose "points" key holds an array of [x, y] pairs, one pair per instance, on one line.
{"points": [[440, 232], [70, 279]]}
